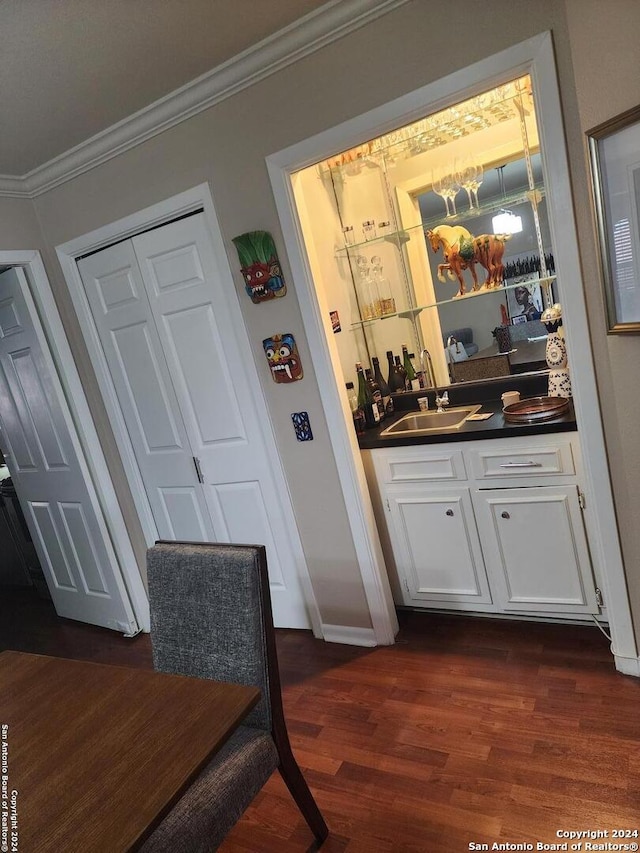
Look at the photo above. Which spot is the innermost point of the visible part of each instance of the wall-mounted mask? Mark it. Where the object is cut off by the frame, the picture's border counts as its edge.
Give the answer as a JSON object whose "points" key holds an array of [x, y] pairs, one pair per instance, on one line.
{"points": [[260, 266], [282, 354]]}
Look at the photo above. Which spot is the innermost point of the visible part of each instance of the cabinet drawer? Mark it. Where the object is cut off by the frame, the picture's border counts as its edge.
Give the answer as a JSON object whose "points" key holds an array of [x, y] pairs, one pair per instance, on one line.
{"points": [[415, 464], [540, 460]]}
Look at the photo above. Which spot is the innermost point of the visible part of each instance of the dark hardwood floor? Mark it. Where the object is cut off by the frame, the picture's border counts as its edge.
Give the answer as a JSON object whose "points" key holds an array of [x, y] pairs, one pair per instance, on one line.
{"points": [[466, 731]]}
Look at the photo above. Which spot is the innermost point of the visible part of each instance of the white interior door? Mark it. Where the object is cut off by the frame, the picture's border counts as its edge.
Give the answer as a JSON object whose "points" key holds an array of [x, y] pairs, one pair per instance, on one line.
{"points": [[47, 467], [161, 312]]}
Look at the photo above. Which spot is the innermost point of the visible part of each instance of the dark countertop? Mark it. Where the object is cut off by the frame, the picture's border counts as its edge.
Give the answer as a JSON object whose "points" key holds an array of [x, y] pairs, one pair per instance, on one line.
{"points": [[493, 427]]}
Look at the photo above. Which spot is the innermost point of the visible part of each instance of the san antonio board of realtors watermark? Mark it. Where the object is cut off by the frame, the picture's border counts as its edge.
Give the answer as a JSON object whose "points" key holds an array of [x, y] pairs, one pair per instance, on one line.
{"points": [[8, 799]]}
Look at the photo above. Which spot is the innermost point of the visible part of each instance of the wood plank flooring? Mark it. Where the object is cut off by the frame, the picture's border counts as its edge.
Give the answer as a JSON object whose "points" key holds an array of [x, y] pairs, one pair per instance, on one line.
{"points": [[467, 731]]}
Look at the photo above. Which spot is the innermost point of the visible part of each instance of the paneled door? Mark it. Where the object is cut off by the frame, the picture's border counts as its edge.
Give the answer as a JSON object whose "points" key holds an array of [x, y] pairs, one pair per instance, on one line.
{"points": [[50, 475], [181, 383]]}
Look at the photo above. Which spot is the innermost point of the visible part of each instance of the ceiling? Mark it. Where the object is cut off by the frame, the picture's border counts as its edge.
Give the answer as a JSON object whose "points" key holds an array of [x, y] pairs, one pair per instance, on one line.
{"points": [[71, 68]]}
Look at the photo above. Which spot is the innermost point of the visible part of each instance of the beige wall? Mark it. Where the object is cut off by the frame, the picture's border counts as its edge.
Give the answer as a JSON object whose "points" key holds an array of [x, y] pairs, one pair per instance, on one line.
{"points": [[606, 61], [227, 146], [19, 227]]}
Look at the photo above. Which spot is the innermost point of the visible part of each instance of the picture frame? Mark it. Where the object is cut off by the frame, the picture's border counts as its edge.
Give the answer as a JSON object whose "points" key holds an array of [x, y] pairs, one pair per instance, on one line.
{"points": [[614, 149], [530, 307]]}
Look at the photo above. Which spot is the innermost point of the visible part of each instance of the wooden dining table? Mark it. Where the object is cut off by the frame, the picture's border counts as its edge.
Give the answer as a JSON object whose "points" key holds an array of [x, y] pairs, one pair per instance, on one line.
{"points": [[93, 756]]}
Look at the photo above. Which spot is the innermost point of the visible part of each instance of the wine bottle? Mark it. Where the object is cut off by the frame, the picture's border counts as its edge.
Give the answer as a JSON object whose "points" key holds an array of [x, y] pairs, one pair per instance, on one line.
{"points": [[396, 377], [356, 412], [387, 402], [376, 393], [400, 374], [365, 400], [418, 382], [410, 373]]}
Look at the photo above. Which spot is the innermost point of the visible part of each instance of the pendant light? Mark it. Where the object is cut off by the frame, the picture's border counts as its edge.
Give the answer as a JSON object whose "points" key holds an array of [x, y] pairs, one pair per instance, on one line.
{"points": [[505, 222]]}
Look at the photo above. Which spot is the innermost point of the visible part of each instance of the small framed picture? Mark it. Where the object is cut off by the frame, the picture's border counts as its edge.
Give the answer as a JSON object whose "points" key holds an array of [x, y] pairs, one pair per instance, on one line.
{"points": [[524, 301]]}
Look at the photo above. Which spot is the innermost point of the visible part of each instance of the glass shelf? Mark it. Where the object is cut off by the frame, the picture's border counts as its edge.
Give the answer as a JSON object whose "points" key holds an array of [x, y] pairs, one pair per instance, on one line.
{"points": [[410, 313], [396, 238], [491, 205], [399, 238]]}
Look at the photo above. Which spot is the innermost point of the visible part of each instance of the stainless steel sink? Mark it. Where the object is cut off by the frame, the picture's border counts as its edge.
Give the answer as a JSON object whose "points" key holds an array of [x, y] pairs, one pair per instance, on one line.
{"points": [[416, 423]]}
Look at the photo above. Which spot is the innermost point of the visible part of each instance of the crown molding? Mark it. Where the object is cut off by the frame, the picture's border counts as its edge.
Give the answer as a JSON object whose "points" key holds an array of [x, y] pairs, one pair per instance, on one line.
{"points": [[13, 186], [301, 38]]}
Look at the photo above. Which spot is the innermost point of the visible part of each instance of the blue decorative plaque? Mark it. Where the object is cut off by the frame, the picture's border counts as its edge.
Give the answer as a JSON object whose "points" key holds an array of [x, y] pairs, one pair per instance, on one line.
{"points": [[302, 426]]}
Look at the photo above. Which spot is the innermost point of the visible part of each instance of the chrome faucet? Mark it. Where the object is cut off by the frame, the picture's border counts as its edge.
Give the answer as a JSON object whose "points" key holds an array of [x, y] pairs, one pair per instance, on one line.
{"points": [[442, 400], [428, 375]]}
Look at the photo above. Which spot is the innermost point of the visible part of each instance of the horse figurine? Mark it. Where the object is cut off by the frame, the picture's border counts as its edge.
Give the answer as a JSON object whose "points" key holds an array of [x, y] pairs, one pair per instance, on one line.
{"points": [[463, 251]]}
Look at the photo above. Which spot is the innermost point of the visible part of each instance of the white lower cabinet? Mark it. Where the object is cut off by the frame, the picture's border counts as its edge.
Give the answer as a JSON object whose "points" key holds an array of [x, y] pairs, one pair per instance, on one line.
{"points": [[501, 530], [435, 540], [535, 549]]}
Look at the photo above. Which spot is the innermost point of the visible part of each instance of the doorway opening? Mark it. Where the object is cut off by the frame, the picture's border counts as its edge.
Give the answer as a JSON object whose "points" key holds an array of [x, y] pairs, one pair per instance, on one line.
{"points": [[56, 463], [355, 139]]}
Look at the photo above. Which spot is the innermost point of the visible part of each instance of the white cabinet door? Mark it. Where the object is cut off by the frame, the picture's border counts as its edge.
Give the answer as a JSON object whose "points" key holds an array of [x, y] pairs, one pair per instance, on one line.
{"points": [[535, 549], [436, 547]]}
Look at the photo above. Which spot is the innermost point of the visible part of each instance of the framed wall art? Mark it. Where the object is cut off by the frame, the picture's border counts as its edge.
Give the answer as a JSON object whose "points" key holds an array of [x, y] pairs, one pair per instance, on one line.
{"points": [[615, 170]]}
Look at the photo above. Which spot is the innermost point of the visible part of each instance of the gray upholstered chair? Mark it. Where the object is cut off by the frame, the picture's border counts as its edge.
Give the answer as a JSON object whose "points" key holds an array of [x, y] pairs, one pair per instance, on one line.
{"points": [[211, 618]]}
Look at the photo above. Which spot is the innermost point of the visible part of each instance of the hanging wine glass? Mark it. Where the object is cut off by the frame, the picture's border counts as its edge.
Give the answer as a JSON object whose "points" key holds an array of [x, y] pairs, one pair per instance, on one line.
{"points": [[477, 181]]}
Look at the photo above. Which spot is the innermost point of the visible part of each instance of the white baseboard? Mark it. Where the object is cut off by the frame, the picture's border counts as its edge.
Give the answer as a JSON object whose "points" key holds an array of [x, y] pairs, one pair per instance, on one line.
{"points": [[627, 666], [349, 636]]}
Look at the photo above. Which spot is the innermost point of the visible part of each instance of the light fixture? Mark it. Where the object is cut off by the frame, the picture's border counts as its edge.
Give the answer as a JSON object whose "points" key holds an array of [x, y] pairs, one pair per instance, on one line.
{"points": [[506, 222]]}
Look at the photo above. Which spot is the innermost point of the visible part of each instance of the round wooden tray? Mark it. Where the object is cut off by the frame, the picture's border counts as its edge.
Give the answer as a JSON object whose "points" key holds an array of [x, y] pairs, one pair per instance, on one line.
{"points": [[536, 409]]}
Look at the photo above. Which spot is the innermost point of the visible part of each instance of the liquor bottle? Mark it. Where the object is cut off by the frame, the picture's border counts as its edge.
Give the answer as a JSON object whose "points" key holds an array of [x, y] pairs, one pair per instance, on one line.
{"points": [[376, 393], [387, 402], [365, 400], [400, 381], [356, 411], [418, 382], [410, 373], [396, 377]]}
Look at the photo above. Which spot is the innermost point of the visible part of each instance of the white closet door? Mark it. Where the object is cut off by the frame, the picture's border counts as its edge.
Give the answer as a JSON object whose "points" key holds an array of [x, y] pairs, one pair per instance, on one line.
{"points": [[48, 470], [129, 338], [183, 372]]}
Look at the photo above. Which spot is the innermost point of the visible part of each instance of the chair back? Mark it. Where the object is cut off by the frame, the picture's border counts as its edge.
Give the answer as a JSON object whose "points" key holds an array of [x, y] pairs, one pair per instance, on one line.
{"points": [[210, 615]]}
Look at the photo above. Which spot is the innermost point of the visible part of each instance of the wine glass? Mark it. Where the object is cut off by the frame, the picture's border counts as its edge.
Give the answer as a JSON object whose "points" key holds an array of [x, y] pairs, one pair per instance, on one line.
{"points": [[477, 181], [451, 188], [466, 179], [439, 188]]}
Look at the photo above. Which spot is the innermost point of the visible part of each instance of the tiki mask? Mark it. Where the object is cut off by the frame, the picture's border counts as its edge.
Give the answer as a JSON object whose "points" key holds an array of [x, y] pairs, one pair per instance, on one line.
{"points": [[283, 358], [260, 266]]}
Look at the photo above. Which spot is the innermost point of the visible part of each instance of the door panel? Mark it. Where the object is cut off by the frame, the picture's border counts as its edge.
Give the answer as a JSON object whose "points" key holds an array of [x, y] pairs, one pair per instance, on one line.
{"points": [[536, 549], [198, 358], [137, 366], [436, 545], [243, 508], [189, 362], [49, 474]]}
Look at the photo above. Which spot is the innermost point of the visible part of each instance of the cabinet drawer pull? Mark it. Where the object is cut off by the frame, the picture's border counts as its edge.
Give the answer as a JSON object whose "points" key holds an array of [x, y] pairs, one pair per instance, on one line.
{"points": [[449, 512], [529, 464], [505, 514]]}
